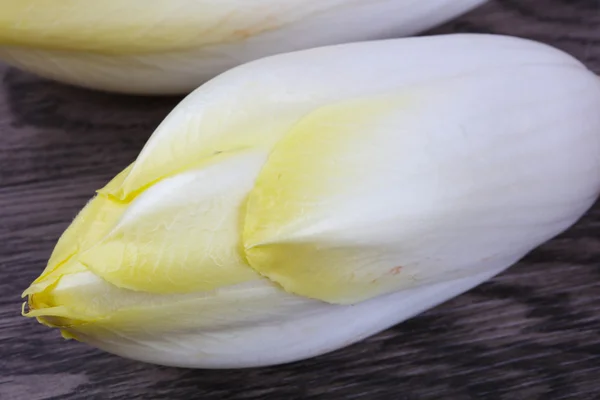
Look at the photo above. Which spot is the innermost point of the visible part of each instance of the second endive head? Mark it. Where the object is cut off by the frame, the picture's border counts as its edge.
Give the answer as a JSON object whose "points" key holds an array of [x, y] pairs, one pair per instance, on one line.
{"points": [[173, 46]]}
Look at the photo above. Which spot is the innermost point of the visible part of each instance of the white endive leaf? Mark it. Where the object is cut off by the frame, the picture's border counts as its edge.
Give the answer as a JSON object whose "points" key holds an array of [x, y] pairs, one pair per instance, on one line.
{"points": [[246, 325], [438, 182], [172, 46], [302, 202], [255, 105]]}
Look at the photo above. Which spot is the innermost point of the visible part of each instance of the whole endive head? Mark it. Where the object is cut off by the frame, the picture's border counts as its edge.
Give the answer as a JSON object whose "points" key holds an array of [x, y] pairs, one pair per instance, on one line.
{"points": [[301, 202], [172, 46]]}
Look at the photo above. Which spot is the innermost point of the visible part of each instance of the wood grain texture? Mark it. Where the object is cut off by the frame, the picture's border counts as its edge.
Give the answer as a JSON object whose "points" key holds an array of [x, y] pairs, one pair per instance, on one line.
{"points": [[531, 333]]}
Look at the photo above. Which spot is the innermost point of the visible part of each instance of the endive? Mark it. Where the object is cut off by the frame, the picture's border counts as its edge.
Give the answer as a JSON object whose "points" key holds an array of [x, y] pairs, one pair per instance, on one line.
{"points": [[172, 46], [299, 203]]}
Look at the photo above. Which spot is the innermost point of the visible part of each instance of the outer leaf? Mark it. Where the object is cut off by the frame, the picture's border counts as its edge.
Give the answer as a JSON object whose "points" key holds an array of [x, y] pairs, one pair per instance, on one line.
{"points": [[440, 180], [247, 325]]}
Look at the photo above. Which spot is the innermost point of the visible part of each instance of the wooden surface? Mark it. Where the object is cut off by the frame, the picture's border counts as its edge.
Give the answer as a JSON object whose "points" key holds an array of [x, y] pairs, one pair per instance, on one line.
{"points": [[531, 333]]}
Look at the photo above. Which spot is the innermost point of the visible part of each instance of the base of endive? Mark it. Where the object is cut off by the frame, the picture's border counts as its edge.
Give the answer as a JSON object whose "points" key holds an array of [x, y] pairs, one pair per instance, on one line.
{"points": [[298, 339]]}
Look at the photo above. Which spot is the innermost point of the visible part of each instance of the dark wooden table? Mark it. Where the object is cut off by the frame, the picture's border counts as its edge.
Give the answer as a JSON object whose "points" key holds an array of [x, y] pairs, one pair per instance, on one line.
{"points": [[531, 333]]}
